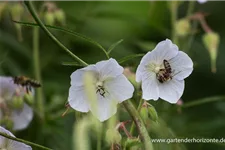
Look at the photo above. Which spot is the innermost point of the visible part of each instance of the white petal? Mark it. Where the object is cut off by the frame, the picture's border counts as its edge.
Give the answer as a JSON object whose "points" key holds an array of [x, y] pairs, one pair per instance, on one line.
{"points": [[109, 68], [7, 87], [77, 99], [105, 107], [182, 66], [172, 90], [14, 145], [150, 86], [78, 75], [3, 140], [120, 88], [21, 118], [164, 50], [148, 58]]}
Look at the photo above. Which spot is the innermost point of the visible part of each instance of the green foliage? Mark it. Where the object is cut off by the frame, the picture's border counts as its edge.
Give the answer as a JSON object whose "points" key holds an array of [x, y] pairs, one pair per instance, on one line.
{"points": [[139, 25]]}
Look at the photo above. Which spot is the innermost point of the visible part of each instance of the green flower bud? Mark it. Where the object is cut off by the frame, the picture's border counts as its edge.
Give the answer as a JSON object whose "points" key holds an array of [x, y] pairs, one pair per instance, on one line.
{"points": [[182, 27], [16, 11], [144, 113], [211, 41], [152, 113], [17, 102], [133, 143], [113, 136], [7, 122], [60, 16], [29, 98], [49, 18]]}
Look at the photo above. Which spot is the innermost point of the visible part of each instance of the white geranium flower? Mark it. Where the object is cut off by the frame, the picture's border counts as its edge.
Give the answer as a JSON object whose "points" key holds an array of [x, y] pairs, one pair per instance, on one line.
{"points": [[111, 87], [162, 72], [20, 117], [8, 144]]}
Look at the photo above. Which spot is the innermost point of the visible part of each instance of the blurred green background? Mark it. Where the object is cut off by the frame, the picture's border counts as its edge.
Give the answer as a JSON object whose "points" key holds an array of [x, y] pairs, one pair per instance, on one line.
{"points": [[141, 24]]}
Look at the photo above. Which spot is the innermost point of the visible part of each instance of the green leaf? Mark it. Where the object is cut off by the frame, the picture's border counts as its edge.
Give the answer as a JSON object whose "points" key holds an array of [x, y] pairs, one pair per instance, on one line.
{"points": [[114, 45], [66, 31], [124, 59], [72, 64]]}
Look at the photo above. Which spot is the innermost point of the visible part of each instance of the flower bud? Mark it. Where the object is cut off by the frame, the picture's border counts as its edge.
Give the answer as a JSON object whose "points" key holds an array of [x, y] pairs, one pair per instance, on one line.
{"points": [[16, 11], [17, 102], [113, 136], [182, 27], [133, 143], [49, 18], [29, 98], [144, 113], [211, 41], [7, 122], [60, 16], [152, 113]]}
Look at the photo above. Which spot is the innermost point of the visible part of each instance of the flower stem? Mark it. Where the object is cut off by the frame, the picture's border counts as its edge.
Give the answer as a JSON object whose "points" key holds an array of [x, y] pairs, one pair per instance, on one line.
{"points": [[138, 109], [143, 132], [37, 71], [42, 26], [173, 9], [203, 101], [24, 141], [191, 5]]}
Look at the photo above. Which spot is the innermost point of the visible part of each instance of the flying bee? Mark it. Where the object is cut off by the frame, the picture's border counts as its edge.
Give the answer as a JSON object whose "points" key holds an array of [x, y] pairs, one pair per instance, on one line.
{"points": [[26, 82], [164, 74]]}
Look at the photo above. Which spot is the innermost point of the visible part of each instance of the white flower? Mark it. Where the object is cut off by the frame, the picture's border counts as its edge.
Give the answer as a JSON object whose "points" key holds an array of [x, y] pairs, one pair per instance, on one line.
{"points": [[202, 1], [8, 144], [110, 85], [163, 82], [20, 117]]}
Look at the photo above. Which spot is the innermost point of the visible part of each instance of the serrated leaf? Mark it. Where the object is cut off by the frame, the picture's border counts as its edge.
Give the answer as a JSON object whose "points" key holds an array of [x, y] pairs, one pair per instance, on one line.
{"points": [[124, 59], [114, 45]]}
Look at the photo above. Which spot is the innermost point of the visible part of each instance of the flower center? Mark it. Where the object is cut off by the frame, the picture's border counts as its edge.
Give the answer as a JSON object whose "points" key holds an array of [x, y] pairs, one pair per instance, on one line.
{"points": [[100, 88], [163, 71]]}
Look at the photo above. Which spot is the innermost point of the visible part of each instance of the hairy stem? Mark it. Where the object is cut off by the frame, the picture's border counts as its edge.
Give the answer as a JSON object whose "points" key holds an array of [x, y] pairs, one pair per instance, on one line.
{"points": [[143, 132], [43, 27], [24, 141]]}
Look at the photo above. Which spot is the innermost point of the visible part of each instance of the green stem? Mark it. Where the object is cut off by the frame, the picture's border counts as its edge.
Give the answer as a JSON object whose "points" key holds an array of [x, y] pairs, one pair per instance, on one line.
{"points": [[203, 101], [173, 9], [40, 23], [190, 8], [37, 71], [24, 141], [143, 132], [138, 109]]}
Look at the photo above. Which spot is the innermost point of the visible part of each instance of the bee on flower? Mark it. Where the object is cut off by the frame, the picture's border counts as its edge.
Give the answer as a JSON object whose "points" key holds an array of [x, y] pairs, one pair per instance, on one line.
{"points": [[162, 72], [15, 114]]}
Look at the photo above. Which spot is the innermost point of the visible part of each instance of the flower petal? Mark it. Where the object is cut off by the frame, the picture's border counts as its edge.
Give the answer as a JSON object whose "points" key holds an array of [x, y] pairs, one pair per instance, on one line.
{"points": [[21, 118], [164, 50], [120, 88], [148, 58], [172, 90], [7, 87], [14, 145], [150, 86], [109, 68], [78, 75], [77, 99], [105, 107], [182, 66]]}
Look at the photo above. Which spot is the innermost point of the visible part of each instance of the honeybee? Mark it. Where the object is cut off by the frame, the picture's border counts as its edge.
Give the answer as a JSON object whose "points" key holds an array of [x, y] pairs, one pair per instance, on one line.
{"points": [[26, 82], [164, 74]]}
